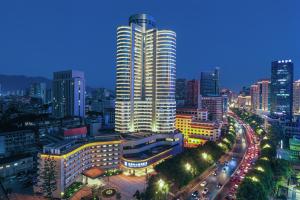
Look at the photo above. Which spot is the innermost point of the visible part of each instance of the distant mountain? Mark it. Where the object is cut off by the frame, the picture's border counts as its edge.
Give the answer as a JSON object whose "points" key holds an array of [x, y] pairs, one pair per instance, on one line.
{"points": [[19, 82]]}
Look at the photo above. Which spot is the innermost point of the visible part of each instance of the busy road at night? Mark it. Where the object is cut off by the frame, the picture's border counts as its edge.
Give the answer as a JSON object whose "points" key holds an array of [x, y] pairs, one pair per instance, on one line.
{"points": [[222, 183]]}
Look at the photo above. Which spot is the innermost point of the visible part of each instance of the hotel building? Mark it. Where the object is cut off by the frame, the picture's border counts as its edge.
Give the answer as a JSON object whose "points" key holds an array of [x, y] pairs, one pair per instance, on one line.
{"points": [[145, 87], [87, 161], [195, 127]]}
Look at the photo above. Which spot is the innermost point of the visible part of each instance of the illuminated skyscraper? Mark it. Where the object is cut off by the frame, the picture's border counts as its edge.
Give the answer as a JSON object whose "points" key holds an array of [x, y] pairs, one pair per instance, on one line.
{"points": [[282, 75], [68, 94], [146, 73]]}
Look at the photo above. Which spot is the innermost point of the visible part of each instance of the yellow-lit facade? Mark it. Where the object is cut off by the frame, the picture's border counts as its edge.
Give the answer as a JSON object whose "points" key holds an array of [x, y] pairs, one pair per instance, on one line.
{"points": [[197, 132]]}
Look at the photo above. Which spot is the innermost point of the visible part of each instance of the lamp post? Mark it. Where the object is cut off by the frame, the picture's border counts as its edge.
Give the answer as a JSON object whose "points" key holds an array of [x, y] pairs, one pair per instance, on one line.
{"points": [[163, 187]]}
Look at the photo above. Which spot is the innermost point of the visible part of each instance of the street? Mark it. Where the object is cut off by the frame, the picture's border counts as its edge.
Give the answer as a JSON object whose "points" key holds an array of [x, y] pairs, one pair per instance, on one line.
{"points": [[215, 180]]}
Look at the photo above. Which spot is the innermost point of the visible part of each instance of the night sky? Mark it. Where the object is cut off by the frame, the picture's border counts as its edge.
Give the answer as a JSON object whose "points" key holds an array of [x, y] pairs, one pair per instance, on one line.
{"points": [[241, 37]]}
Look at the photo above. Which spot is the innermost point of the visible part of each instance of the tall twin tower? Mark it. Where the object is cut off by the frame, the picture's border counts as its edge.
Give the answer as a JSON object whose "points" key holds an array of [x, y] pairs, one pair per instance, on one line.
{"points": [[146, 73]]}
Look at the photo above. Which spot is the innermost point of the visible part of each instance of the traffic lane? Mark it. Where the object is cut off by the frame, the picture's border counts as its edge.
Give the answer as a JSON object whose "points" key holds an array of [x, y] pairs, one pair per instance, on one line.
{"points": [[221, 178], [237, 152], [231, 187]]}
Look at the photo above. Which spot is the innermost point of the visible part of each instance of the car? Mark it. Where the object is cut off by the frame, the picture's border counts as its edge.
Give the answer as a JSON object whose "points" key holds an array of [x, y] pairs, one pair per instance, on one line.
{"points": [[203, 184], [195, 194], [205, 191], [219, 185], [224, 169], [229, 197]]}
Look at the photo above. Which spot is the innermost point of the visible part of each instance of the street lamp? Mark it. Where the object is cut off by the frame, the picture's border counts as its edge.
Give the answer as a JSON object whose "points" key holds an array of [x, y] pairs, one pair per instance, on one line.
{"points": [[260, 169], [254, 179], [161, 183], [188, 167], [204, 156], [163, 187], [266, 146]]}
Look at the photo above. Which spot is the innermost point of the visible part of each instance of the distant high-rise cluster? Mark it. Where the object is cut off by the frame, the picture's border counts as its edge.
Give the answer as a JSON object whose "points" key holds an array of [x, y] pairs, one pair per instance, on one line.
{"points": [[68, 94], [146, 73]]}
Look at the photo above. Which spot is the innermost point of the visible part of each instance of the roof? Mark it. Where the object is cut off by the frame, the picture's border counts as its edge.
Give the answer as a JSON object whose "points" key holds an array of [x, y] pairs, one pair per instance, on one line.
{"points": [[14, 158], [93, 172]]}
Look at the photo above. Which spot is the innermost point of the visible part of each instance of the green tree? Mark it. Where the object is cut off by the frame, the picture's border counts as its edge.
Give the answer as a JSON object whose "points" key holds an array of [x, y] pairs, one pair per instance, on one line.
{"points": [[48, 178], [250, 190]]}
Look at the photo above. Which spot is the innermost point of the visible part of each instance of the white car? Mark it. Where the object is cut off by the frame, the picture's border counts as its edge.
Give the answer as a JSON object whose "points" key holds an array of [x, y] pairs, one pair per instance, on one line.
{"points": [[205, 191], [203, 184]]}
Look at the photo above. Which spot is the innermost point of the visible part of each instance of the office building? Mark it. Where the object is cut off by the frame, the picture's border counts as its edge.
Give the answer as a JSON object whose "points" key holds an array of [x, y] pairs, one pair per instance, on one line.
{"points": [[296, 97], [181, 89], [68, 94], [146, 73], [193, 92], [209, 83], [214, 106], [38, 90], [282, 75]]}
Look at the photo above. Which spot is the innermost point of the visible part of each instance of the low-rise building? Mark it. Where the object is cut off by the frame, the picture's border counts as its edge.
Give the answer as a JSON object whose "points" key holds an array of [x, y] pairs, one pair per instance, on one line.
{"points": [[13, 165], [197, 132], [83, 160], [15, 142]]}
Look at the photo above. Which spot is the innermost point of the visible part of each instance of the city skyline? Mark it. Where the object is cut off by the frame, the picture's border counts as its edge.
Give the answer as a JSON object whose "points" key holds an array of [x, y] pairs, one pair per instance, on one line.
{"points": [[173, 128], [74, 36]]}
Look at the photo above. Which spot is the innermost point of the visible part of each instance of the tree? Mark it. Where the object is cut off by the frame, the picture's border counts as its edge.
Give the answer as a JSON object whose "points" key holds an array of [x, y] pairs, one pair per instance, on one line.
{"points": [[250, 190], [48, 178]]}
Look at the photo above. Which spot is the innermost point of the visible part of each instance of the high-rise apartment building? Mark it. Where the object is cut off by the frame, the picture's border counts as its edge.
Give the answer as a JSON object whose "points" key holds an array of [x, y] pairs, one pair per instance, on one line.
{"points": [[264, 95], [38, 90], [282, 75], [209, 83], [146, 73], [193, 93], [260, 96], [296, 97], [68, 94]]}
